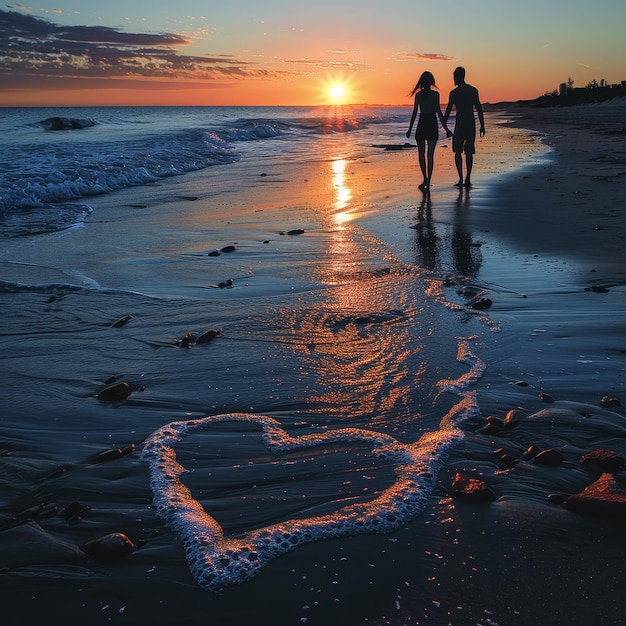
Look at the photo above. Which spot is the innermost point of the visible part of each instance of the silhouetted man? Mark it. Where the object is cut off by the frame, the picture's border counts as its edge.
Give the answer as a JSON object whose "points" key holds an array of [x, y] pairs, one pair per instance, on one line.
{"points": [[465, 99]]}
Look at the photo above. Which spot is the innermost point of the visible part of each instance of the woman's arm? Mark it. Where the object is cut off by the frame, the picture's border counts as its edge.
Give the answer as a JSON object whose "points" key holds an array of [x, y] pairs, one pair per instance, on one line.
{"points": [[413, 116], [442, 119]]}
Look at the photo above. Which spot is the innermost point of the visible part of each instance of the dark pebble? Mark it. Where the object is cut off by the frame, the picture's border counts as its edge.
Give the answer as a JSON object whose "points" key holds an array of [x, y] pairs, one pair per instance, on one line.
{"points": [[109, 547], [115, 392], [547, 398], [603, 461], [531, 453], [214, 253], [556, 498], [227, 249], [74, 512], [123, 321], [609, 402], [207, 336], [482, 304], [296, 231], [549, 457], [471, 489], [603, 498], [513, 418], [491, 429]]}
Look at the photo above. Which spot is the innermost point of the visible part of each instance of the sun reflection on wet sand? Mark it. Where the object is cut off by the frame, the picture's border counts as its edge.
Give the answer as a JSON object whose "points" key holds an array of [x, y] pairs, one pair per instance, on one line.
{"points": [[343, 192], [360, 338]]}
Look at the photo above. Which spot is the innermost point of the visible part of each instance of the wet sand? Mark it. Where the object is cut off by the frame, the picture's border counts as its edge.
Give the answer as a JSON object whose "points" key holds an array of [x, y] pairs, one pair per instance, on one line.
{"points": [[546, 238], [554, 266]]}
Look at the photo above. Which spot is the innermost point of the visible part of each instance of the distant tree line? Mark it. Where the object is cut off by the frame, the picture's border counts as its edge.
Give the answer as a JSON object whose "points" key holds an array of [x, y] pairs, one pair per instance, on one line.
{"points": [[567, 94]]}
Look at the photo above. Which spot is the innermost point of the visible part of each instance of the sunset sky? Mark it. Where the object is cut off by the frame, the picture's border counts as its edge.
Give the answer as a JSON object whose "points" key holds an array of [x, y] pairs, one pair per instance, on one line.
{"points": [[274, 52]]}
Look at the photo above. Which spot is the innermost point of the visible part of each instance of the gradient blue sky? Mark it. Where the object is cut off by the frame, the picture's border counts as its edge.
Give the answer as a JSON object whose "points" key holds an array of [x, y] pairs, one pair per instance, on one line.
{"points": [[271, 52]]}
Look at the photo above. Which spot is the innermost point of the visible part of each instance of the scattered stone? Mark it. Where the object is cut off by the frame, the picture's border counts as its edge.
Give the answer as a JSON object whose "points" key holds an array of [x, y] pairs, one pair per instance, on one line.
{"points": [[597, 289], [215, 252], [513, 418], [296, 231], [123, 321], [504, 457], [187, 341], [603, 498], [521, 383], [110, 455], [609, 402], [483, 304], [109, 547], [603, 461], [207, 336], [74, 512], [471, 489], [531, 453], [556, 498], [228, 249], [491, 428], [115, 392], [546, 397], [549, 457]]}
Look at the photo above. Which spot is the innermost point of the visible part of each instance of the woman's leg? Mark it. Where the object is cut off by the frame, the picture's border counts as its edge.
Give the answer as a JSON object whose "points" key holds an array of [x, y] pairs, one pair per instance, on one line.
{"points": [[432, 144], [421, 149]]}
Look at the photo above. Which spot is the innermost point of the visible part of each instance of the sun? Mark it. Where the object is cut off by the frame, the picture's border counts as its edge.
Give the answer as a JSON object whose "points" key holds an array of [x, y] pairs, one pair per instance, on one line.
{"points": [[337, 93]]}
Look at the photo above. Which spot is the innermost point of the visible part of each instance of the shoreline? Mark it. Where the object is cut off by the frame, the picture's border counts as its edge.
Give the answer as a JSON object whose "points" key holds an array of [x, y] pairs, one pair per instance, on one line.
{"points": [[571, 205], [551, 235]]}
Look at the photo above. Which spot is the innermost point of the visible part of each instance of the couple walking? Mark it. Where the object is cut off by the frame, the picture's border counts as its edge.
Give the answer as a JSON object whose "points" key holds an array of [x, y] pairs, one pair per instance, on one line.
{"points": [[465, 99]]}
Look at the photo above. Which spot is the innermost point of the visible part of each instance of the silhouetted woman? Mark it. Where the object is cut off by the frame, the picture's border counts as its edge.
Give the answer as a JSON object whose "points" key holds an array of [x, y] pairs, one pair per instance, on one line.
{"points": [[427, 133]]}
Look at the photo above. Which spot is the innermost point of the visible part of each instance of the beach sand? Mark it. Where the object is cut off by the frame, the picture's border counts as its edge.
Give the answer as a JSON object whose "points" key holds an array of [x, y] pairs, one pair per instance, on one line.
{"points": [[551, 235], [546, 237]]}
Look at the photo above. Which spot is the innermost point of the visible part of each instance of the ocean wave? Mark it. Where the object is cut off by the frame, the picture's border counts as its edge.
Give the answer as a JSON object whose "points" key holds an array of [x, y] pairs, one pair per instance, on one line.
{"points": [[44, 219], [73, 171]]}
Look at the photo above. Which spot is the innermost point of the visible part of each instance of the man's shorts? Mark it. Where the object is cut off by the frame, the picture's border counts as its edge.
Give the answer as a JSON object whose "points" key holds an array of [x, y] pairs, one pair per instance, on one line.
{"points": [[464, 140]]}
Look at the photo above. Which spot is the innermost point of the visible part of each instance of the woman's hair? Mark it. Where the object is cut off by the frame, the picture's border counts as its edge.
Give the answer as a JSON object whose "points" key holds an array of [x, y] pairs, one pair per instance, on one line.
{"points": [[425, 81]]}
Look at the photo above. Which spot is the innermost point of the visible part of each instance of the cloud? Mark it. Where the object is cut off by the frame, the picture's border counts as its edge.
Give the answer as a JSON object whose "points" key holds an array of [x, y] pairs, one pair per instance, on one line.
{"points": [[331, 65], [422, 56], [38, 48]]}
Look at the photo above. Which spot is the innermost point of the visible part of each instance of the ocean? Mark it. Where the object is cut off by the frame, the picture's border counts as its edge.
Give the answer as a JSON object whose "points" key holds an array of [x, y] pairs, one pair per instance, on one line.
{"points": [[234, 336]]}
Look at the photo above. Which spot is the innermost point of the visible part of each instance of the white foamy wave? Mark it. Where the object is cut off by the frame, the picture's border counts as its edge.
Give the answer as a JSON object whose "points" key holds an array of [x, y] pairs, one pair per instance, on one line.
{"points": [[217, 561], [78, 170]]}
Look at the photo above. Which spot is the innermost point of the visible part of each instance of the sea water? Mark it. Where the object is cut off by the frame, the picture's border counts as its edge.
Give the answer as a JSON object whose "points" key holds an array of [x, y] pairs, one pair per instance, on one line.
{"points": [[328, 398]]}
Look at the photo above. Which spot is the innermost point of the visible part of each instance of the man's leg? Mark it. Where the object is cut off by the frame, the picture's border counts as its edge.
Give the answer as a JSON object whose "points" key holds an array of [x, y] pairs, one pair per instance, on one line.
{"points": [[469, 162], [458, 161]]}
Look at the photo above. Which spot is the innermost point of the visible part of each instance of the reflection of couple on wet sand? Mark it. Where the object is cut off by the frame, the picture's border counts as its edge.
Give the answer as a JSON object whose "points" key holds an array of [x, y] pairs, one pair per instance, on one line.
{"points": [[465, 99]]}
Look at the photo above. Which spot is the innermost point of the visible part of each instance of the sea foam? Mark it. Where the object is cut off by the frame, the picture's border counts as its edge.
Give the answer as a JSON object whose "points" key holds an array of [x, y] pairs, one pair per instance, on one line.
{"points": [[217, 561]]}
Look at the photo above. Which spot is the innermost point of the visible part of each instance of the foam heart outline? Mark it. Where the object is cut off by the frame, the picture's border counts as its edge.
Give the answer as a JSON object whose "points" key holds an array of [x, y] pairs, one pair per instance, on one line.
{"points": [[216, 561]]}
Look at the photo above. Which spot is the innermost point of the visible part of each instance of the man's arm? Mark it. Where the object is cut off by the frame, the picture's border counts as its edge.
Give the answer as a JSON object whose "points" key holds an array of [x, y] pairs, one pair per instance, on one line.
{"points": [[446, 115], [481, 116]]}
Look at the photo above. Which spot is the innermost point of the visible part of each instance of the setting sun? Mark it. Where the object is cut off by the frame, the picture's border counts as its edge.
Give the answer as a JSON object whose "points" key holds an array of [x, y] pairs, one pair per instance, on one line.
{"points": [[337, 93]]}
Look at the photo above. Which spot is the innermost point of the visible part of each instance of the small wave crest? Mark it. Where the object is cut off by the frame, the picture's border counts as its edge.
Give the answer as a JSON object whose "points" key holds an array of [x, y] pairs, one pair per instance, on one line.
{"points": [[44, 219], [66, 123]]}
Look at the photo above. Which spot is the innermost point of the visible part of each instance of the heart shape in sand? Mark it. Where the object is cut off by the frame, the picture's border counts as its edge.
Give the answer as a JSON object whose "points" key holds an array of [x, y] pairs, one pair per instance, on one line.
{"points": [[216, 561]]}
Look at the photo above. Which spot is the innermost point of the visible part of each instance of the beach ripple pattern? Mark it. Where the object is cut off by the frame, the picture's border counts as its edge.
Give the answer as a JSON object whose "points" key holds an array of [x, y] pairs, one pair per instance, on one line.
{"points": [[217, 562]]}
